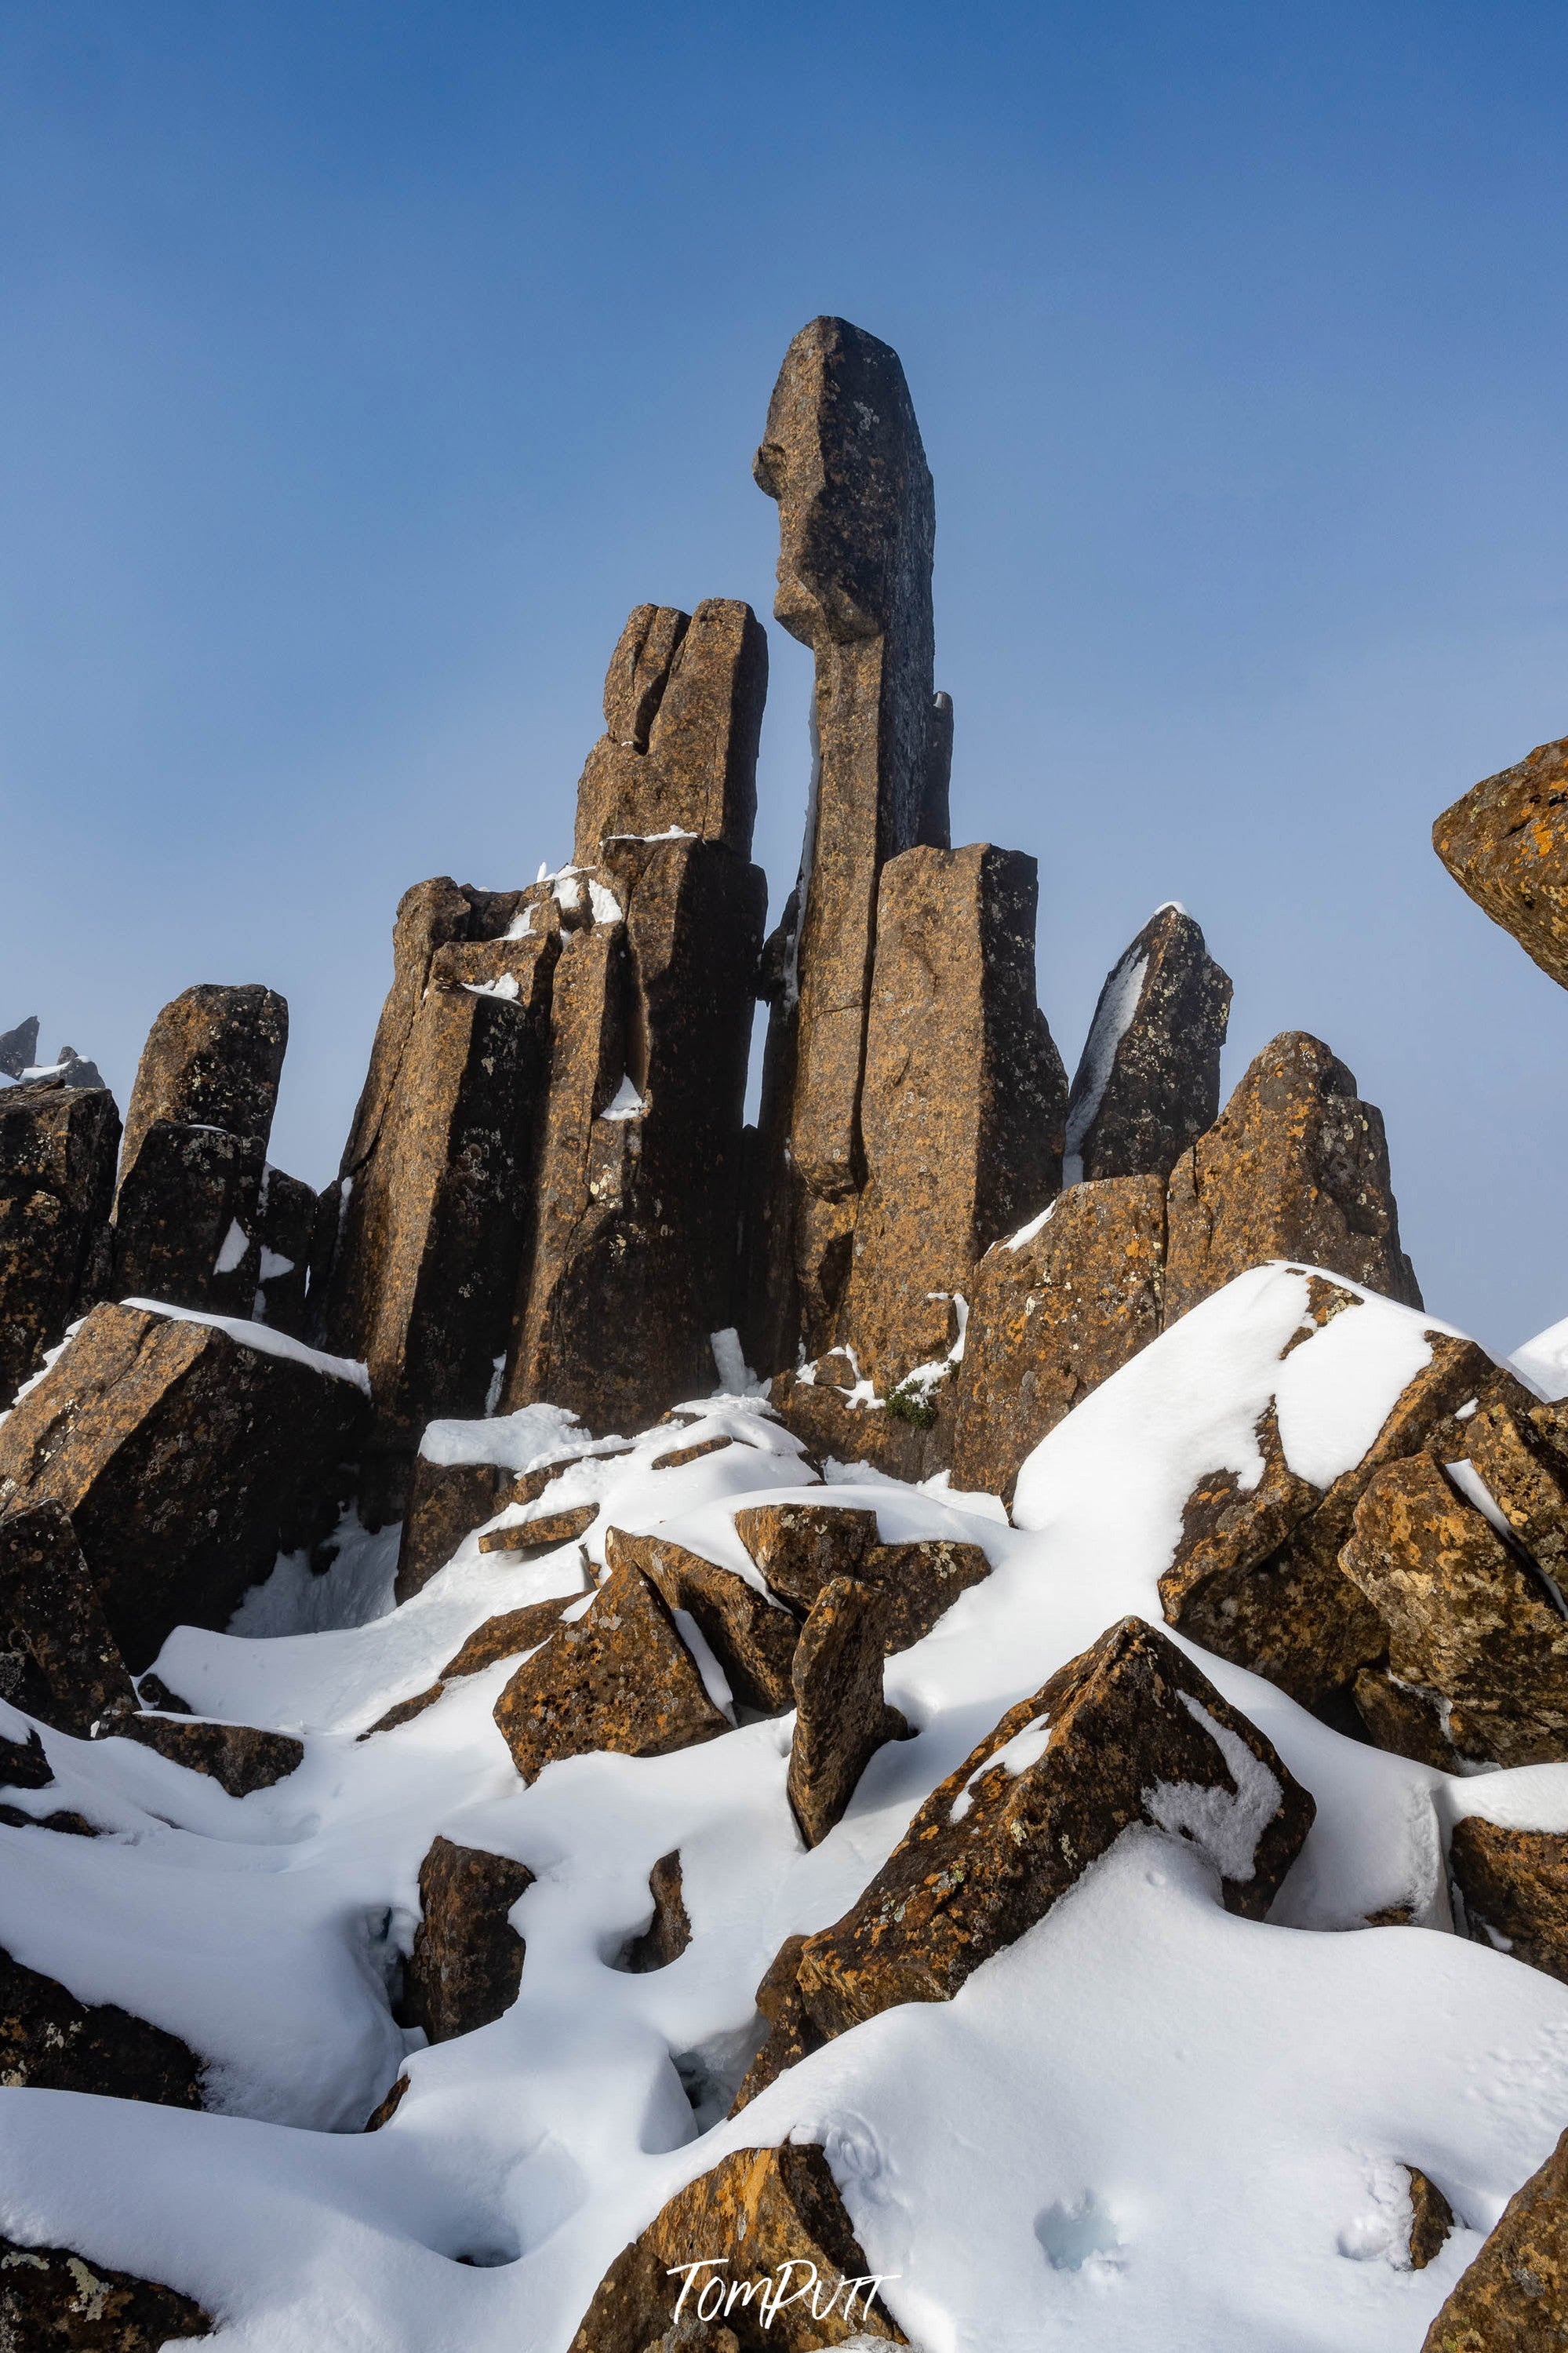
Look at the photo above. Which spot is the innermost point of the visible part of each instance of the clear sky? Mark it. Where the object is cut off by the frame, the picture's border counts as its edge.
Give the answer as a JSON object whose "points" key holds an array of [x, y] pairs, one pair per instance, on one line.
{"points": [[364, 365]]}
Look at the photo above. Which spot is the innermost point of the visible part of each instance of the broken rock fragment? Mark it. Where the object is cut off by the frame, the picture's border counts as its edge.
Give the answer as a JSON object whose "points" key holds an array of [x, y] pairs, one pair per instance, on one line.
{"points": [[286, 1218], [800, 1547], [59, 1661], [841, 1718], [1148, 1085], [1514, 2297], [468, 1959], [56, 2043], [1514, 1887], [53, 2300], [237, 1757], [668, 1932], [545, 1529], [752, 1637], [1506, 843], [57, 1148]]}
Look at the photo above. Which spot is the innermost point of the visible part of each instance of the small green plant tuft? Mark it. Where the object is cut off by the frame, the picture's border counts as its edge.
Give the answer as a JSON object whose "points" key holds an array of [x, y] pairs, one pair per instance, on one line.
{"points": [[910, 1402]]}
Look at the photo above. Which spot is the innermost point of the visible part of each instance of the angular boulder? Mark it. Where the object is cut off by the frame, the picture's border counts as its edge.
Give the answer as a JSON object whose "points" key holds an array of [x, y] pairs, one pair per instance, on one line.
{"points": [[963, 1096], [752, 1637], [447, 1502], [1054, 1309], [1514, 2297], [1505, 843], [57, 1148], [59, 1661], [1526, 1477], [237, 1757], [53, 2042], [798, 1548], [187, 1457], [1147, 1084], [841, 1718], [1295, 1167], [286, 1214], [1514, 1888], [53, 2300], [467, 1964], [917, 1583]]}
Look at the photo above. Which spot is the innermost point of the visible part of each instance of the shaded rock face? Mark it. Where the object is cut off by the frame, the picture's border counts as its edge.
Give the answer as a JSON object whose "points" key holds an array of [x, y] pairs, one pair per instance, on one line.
{"points": [[55, 2043], [757, 2210], [1514, 1888], [683, 717], [1477, 1650], [620, 1678], [236, 1755], [668, 1932], [1528, 1479], [962, 1099], [545, 1530], [186, 1461], [467, 1964], [1050, 1317], [285, 1217], [1148, 1085], [1296, 1167], [1506, 843], [1431, 2218], [59, 1661], [916, 1584], [1514, 2297], [57, 1148], [447, 1502], [752, 1639], [841, 1718], [52, 2299]]}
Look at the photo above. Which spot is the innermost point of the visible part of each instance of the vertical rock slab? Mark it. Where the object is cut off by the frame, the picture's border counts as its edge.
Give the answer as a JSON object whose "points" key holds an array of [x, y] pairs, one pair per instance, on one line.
{"points": [[1506, 844], [841, 1718], [963, 1096], [59, 1661], [187, 1457], [213, 1059], [57, 1147], [683, 717], [1054, 1309], [1147, 1084], [52, 2300], [286, 1214], [1514, 2297], [468, 1959], [1296, 1166]]}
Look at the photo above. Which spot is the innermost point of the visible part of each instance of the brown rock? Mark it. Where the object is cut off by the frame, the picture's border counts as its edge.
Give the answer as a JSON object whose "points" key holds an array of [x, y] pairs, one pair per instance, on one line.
{"points": [[1148, 1085], [546, 1529], [757, 2211], [1050, 1318], [404, 1712], [55, 2043], [385, 2110], [286, 1218], [800, 1547], [187, 1459], [668, 1932], [23, 1765], [58, 1146], [683, 716], [1514, 2297], [1514, 1884], [962, 1100], [907, 1437], [467, 1961], [447, 1502], [236, 1755], [1117, 1736], [504, 1636], [1525, 1479], [620, 1678], [841, 1718], [1469, 1622], [1408, 1722], [681, 1455], [186, 1219], [752, 1637], [916, 1584], [213, 1059], [1431, 2218], [59, 1661], [791, 2031], [1295, 1167], [1506, 844], [54, 2301]]}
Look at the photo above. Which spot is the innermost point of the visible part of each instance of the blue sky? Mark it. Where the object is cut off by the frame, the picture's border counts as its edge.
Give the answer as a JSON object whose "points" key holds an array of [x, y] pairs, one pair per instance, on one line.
{"points": [[364, 365]]}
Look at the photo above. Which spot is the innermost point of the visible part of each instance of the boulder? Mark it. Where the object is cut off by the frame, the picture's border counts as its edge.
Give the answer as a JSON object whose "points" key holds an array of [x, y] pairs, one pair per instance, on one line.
{"points": [[1514, 2297], [59, 1661], [791, 2033], [1478, 1649], [1506, 843], [1148, 1085], [53, 2300], [1054, 1309], [187, 1456], [53, 2042], [620, 1677], [800, 1547], [23, 1764], [752, 1637], [447, 1502], [1526, 1477], [669, 1932], [213, 1059], [683, 717], [186, 1219], [236, 1755], [1514, 1885], [841, 1718], [467, 1961], [759, 2251], [1295, 1167], [963, 1097], [1431, 2218], [916, 1584], [57, 1147]]}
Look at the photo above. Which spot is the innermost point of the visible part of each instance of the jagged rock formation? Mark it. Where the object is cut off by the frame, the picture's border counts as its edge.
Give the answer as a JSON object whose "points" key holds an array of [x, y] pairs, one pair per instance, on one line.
{"points": [[237, 1757], [1147, 1084], [57, 1147], [1514, 2297], [466, 1963], [752, 1637], [1506, 843], [841, 1718], [52, 2299]]}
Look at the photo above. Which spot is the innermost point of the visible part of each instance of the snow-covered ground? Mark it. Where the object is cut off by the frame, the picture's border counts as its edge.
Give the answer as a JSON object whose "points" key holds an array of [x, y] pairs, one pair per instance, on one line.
{"points": [[1147, 2124]]}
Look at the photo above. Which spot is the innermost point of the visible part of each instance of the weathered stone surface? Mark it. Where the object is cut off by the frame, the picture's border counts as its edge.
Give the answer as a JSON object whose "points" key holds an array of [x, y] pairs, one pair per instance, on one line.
{"points": [[238, 1757], [447, 1502], [187, 1459], [791, 2032], [1296, 1167], [1147, 1084], [752, 1637], [757, 2211], [213, 1059], [59, 1661], [633, 1266], [1526, 1479], [1506, 843], [286, 1218], [800, 1547], [916, 1584], [668, 1932], [911, 1444], [1514, 1884], [504, 1636], [1469, 1623], [1128, 1732], [468, 1959], [546, 1529], [683, 716], [1054, 1310], [56, 2043], [962, 1100], [1431, 2218], [53, 2300], [841, 1718], [1514, 2297], [19, 1046], [57, 1147], [186, 1219], [620, 1678], [680, 1456]]}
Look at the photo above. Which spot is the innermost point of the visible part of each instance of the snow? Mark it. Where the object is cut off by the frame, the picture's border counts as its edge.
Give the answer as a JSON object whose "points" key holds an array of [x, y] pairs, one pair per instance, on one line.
{"points": [[1035, 1226], [505, 985], [1112, 1018], [236, 1243], [261, 1336], [1542, 1363], [274, 1264], [627, 1102], [1146, 2123]]}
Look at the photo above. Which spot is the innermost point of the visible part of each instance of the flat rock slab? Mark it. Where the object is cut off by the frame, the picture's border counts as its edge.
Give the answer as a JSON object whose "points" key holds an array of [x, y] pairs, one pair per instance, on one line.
{"points": [[504, 1636], [54, 2301], [1514, 1884], [752, 1639], [447, 1502], [1514, 2297], [55, 2043], [59, 1661], [467, 1964], [545, 1529], [1506, 843], [1147, 1084], [57, 1148], [236, 1755]]}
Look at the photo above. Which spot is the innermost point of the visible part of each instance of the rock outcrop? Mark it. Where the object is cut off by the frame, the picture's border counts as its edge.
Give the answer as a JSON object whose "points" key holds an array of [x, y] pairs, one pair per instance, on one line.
{"points": [[1147, 1084], [841, 1718], [237, 1757], [213, 1059], [1506, 843], [468, 1959], [57, 1148], [188, 1458], [1514, 2297], [1513, 1888], [53, 2300], [799, 1549], [53, 2042], [59, 1661]]}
